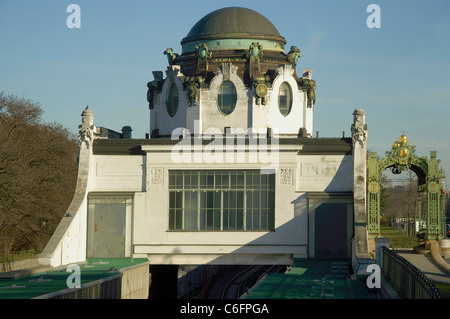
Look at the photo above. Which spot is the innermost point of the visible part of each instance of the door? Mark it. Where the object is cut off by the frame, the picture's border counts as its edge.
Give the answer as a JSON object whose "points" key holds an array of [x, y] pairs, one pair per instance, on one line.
{"points": [[331, 231], [107, 228]]}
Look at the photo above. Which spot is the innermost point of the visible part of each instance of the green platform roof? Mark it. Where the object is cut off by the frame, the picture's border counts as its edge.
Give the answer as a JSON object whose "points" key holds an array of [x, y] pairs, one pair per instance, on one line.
{"points": [[311, 279], [46, 282]]}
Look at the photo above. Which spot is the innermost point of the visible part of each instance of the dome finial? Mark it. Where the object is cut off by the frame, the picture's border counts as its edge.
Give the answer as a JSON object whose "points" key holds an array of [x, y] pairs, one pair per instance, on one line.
{"points": [[403, 139]]}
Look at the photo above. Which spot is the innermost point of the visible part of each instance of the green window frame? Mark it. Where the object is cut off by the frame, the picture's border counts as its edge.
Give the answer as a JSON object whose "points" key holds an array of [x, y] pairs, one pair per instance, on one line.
{"points": [[221, 200]]}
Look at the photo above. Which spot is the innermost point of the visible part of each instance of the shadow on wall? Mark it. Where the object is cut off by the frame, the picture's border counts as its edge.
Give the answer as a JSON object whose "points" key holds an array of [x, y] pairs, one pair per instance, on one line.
{"points": [[320, 226]]}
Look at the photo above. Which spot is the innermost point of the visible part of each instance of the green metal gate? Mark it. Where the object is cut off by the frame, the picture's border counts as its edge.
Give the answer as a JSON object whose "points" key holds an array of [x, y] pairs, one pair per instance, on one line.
{"points": [[400, 158]]}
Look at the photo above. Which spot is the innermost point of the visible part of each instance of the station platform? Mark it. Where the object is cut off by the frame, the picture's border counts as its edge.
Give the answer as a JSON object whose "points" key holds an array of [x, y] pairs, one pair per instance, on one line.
{"points": [[312, 279], [117, 278]]}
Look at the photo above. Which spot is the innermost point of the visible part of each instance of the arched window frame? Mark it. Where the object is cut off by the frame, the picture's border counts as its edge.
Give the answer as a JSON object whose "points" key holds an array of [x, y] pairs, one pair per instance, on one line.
{"points": [[286, 109], [241, 91], [170, 107], [227, 109]]}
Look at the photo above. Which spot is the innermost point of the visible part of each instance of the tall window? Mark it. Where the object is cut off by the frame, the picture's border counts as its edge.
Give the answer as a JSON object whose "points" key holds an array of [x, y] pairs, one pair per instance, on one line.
{"points": [[172, 100], [285, 99], [227, 97], [223, 200]]}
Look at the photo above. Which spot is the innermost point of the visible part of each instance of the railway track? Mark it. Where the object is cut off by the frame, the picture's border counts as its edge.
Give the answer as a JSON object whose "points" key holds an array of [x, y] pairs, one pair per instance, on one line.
{"points": [[233, 289], [237, 280]]}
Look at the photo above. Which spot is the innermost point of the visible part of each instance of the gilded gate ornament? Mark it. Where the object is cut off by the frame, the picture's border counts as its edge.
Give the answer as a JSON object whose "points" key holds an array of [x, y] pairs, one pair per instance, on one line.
{"points": [[401, 158]]}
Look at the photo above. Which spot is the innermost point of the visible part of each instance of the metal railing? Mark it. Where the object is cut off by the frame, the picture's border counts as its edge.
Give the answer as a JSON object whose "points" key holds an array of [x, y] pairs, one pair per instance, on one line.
{"points": [[408, 281]]}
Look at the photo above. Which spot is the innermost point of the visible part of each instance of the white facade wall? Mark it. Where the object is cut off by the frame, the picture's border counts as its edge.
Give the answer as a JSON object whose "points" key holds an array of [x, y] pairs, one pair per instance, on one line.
{"points": [[147, 178], [320, 173], [270, 116], [143, 178], [205, 117]]}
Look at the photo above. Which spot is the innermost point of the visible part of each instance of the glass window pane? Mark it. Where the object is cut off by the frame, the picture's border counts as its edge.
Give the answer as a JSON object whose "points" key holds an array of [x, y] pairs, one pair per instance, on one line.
{"points": [[210, 180], [255, 220], [171, 219], [202, 180], [179, 181], [171, 180], [240, 199], [202, 200], [226, 200], [263, 199], [233, 199], [256, 181], [187, 181], [227, 97], [249, 179], [210, 220], [187, 219], [256, 203], [249, 219], [233, 180], [172, 200], [178, 219], [225, 218], [264, 219], [172, 100], [285, 99], [194, 180], [202, 219], [232, 219], [217, 219], [271, 219], [249, 199], [239, 219], [225, 181], [194, 220], [240, 180], [210, 200]]}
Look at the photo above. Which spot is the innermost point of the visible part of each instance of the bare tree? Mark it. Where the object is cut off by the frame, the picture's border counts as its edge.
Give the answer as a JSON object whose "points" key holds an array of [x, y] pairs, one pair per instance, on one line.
{"points": [[38, 167], [402, 202]]}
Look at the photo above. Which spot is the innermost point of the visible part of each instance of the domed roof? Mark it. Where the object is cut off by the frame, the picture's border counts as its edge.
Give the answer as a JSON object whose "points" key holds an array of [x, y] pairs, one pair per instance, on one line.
{"points": [[234, 23]]}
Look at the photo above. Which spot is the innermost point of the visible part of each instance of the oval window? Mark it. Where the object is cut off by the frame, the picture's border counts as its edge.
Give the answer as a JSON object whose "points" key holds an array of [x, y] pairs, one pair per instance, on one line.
{"points": [[172, 100], [227, 97], [285, 99]]}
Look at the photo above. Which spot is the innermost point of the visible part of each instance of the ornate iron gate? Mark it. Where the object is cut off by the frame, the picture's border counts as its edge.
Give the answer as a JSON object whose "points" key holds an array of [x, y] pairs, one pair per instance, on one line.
{"points": [[400, 158]]}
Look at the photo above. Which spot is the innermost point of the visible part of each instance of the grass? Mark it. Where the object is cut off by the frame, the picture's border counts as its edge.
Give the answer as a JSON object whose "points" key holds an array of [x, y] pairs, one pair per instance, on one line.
{"points": [[398, 239], [443, 288]]}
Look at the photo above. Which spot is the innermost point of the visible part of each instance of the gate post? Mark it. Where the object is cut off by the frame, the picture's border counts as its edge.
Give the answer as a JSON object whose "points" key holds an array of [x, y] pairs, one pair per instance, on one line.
{"points": [[361, 257], [435, 222], [434, 219], [373, 199]]}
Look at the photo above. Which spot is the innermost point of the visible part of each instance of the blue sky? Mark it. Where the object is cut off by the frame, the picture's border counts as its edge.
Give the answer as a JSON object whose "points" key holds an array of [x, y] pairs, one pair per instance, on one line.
{"points": [[399, 74]]}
